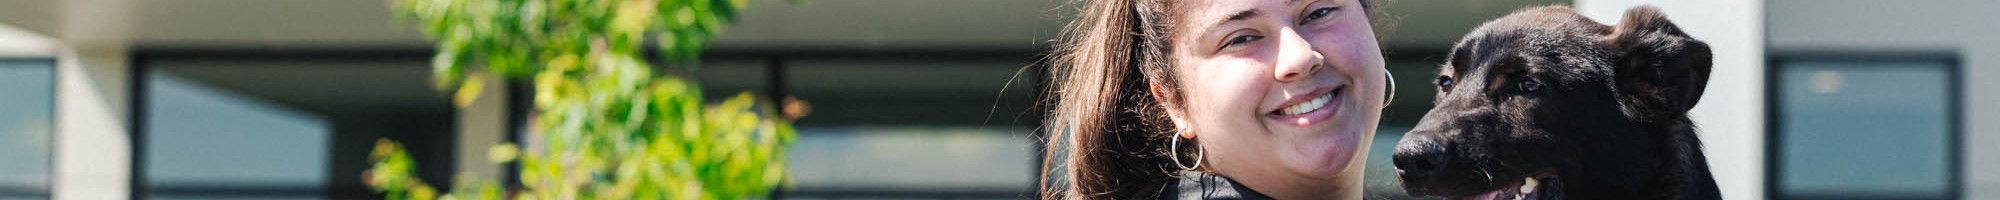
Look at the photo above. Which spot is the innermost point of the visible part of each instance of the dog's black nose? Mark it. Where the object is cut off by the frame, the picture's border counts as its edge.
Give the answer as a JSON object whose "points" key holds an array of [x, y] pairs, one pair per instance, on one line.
{"points": [[1418, 156]]}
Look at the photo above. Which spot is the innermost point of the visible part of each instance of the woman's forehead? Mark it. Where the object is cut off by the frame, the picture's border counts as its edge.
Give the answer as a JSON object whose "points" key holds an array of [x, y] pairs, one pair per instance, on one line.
{"points": [[1202, 14]]}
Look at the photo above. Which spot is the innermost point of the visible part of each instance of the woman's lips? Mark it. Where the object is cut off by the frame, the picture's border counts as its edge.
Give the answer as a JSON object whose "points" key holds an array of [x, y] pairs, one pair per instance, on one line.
{"points": [[1307, 110]]}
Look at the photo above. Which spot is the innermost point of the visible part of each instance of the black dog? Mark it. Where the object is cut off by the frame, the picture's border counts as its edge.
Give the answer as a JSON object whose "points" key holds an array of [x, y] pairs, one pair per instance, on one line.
{"points": [[1547, 104]]}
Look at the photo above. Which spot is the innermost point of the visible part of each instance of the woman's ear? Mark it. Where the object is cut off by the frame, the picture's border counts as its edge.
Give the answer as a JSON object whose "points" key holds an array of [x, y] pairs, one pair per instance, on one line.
{"points": [[1173, 108]]}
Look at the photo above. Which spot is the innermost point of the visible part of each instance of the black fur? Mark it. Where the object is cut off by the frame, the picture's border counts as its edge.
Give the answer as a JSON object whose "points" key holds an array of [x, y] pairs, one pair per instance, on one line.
{"points": [[1599, 111]]}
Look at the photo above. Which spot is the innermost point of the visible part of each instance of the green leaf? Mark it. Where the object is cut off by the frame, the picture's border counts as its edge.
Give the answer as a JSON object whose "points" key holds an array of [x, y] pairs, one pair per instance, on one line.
{"points": [[605, 125]]}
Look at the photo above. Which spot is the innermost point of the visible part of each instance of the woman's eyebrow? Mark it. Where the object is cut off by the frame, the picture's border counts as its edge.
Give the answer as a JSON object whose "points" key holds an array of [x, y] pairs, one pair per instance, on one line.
{"points": [[1239, 16]]}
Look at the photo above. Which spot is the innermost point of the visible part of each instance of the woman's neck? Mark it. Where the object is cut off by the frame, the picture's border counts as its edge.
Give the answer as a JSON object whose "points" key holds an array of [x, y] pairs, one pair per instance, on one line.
{"points": [[1339, 188], [1348, 185]]}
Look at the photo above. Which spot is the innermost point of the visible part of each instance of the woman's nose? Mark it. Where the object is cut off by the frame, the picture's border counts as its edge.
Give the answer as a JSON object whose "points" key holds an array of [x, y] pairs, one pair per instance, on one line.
{"points": [[1296, 57]]}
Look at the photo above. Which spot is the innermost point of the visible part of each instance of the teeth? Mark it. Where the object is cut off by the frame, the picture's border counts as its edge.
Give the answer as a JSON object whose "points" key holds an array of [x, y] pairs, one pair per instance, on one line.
{"points": [[1308, 106], [1527, 187]]}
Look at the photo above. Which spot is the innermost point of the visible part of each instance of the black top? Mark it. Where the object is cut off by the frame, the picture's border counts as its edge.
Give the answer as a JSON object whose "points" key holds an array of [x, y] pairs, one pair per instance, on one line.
{"points": [[1194, 185]]}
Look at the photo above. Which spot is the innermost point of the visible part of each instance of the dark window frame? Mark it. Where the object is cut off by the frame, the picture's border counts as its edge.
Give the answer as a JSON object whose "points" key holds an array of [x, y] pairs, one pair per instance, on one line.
{"points": [[775, 60], [1955, 102], [138, 62]]}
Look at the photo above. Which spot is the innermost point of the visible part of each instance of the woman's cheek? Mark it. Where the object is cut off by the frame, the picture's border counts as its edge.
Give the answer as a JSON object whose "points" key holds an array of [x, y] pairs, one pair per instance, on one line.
{"points": [[1346, 49], [1230, 88], [1246, 85]]}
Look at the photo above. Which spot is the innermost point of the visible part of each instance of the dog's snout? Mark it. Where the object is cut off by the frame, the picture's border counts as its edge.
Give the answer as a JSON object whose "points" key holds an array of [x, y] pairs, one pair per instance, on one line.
{"points": [[1418, 156]]}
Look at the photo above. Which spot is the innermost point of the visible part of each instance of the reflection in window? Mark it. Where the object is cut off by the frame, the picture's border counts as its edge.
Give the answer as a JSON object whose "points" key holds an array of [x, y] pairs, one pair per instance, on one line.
{"points": [[202, 139], [283, 125], [26, 115], [1864, 129], [912, 159], [913, 128]]}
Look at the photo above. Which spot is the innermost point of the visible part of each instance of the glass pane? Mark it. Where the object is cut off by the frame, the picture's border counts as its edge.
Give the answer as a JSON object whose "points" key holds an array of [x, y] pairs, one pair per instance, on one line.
{"points": [[1867, 129], [912, 157], [887, 92], [286, 125], [26, 115], [272, 126], [199, 136], [227, 197], [913, 128]]}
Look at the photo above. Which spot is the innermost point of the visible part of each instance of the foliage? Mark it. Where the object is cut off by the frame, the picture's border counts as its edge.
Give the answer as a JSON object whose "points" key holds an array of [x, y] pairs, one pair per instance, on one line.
{"points": [[605, 125]]}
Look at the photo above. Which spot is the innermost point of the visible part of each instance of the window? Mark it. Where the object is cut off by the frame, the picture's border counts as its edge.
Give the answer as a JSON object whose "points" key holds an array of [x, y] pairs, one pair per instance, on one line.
{"points": [[203, 138], [285, 125], [915, 127], [1868, 128], [27, 115], [895, 124]]}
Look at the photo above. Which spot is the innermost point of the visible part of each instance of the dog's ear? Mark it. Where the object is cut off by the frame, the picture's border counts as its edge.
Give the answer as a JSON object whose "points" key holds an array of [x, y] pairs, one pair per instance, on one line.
{"points": [[1662, 70]]}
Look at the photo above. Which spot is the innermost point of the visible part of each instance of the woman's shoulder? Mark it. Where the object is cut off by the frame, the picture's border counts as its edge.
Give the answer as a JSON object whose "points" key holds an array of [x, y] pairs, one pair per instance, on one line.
{"points": [[1195, 185]]}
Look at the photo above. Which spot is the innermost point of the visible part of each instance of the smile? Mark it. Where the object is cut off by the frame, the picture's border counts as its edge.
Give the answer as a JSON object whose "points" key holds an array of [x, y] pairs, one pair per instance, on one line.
{"points": [[1309, 111], [1314, 104]]}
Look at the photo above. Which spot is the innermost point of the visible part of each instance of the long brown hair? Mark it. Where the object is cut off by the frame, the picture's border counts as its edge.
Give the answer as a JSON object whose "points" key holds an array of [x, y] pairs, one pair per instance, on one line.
{"points": [[1108, 133], [1115, 130]]}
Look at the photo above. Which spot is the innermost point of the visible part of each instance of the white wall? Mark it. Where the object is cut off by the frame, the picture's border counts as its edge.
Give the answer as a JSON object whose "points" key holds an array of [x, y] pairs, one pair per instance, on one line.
{"points": [[93, 148], [92, 151], [21, 43], [93, 143], [1963, 27], [1731, 112], [88, 40]]}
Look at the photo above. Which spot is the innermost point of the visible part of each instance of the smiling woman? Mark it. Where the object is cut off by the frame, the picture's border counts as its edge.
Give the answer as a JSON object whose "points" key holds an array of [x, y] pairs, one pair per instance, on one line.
{"points": [[1277, 99]]}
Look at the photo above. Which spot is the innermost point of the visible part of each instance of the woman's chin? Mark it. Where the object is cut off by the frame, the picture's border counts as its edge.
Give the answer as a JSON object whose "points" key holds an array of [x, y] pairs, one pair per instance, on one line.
{"points": [[1330, 155], [1329, 145]]}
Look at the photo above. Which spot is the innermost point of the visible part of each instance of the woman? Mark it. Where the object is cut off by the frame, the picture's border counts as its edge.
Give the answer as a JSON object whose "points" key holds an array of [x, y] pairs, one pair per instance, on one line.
{"points": [[1215, 99]]}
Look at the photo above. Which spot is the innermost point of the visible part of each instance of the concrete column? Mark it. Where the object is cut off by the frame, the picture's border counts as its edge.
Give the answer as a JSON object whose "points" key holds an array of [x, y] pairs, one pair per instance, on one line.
{"points": [[93, 143], [1980, 146], [482, 124]]}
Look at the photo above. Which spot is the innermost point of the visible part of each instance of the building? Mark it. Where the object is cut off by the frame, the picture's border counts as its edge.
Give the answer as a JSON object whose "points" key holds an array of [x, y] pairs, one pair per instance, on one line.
{"points": [[262, 99]]}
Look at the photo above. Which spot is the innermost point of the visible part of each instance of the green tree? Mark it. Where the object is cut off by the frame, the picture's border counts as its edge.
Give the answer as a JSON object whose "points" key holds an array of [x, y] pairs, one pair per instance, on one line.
{"points": [[605, 125]]}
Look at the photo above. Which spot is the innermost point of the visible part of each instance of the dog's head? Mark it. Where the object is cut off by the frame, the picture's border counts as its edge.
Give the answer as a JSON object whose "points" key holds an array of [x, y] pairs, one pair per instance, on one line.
{"points": [[1544, 99]]}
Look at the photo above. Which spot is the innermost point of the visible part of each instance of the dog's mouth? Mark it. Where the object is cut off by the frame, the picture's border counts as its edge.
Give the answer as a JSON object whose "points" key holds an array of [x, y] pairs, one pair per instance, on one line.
{"points": [[1543, 185]]}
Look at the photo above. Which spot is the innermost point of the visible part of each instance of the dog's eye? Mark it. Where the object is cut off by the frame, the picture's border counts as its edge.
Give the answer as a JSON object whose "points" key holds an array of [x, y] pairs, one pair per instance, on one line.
{"points": [[1443, 82], [1529, 85]]}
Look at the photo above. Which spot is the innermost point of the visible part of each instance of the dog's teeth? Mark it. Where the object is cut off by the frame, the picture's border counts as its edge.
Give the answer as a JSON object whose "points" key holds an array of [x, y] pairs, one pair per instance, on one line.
{"points": [[1528, 186]]}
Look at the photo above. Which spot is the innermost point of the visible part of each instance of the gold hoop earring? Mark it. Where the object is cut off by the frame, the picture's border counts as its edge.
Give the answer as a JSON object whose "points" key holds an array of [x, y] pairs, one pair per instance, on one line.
{"points": [[1391, 98], [1174, 148]]}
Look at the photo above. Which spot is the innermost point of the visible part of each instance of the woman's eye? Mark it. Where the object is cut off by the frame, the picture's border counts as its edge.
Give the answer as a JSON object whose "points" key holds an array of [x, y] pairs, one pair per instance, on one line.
{"points": [[1316, 14], [1238, 40], [1529, 85], [1444, 82]]}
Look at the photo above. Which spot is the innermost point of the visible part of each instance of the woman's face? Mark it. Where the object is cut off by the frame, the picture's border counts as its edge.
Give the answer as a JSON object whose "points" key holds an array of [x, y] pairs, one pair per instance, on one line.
{"points": [[1280, 92]]}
